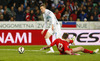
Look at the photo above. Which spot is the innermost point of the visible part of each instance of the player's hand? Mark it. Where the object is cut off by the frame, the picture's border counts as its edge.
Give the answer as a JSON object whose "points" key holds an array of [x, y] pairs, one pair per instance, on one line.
{"points": [[43, 48], [42, 32]]}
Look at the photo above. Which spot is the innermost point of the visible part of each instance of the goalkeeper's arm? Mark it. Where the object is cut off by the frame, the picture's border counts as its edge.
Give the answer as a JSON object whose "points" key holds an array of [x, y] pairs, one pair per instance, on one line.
{"points": [[44, 48]]}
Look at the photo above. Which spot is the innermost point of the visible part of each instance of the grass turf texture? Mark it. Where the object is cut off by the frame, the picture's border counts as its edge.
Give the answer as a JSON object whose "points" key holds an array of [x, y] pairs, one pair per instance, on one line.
{"points": [[10, 53]]}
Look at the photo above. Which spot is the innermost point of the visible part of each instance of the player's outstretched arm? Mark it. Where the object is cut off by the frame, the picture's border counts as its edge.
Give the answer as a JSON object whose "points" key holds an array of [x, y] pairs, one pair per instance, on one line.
{"points": [[44, 48]]}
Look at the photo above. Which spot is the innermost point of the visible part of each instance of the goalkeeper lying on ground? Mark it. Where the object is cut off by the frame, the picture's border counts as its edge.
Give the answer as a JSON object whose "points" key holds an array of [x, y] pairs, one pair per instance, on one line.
{"points": [[63, 46]]}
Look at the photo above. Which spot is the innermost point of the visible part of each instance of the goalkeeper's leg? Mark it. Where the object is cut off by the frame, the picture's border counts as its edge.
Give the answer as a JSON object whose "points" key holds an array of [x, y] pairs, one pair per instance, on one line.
{"points": [[78, 49]]}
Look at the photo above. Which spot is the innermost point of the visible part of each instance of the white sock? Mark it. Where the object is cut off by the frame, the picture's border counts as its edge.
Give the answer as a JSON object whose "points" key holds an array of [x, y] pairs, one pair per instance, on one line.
{"points": [[48, 43]]}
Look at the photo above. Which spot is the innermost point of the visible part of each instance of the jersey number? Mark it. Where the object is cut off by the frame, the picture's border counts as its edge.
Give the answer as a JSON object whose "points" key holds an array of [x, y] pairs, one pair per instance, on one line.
{"points": [[60, 45]]}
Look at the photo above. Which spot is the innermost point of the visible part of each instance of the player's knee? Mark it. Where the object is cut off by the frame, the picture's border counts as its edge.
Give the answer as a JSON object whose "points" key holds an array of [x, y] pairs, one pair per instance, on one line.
{"points": [[45, 37], [82, 49]]}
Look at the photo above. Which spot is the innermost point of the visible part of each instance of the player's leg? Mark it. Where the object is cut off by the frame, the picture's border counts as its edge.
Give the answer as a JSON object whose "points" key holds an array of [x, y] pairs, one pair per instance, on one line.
{"points": [[47, 36], [78, 49], [91, 52]]}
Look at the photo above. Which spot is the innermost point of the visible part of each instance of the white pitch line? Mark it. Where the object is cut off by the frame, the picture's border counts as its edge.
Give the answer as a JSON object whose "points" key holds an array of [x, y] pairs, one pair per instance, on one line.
{"points": [[25, 50], [31, 50], [10, 49], [17, 50]]}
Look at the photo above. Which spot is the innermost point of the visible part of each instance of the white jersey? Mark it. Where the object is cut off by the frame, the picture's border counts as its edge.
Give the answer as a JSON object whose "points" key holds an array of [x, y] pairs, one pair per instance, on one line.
{"points": [[49, 16]]}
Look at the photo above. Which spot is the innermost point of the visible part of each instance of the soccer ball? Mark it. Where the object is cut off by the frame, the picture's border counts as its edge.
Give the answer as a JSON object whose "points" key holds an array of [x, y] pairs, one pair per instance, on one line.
{"points": [[21, 50]]}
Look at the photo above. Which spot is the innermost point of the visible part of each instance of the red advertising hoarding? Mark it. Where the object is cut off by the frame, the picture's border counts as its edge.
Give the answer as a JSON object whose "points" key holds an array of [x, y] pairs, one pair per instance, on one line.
{"points": [[34, 37], [22, 37]]}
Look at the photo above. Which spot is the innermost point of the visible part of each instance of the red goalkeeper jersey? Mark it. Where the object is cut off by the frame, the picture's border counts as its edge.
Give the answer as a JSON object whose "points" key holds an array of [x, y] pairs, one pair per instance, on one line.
{"points": [[62, 45]]}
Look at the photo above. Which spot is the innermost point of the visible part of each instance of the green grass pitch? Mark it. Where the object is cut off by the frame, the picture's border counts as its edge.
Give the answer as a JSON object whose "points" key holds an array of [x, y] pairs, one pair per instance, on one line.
{"points": [[32, 53]]}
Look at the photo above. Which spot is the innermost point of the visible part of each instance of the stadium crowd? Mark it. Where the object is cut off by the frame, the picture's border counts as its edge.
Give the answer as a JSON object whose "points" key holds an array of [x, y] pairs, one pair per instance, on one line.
{"points": [[65, 10]]}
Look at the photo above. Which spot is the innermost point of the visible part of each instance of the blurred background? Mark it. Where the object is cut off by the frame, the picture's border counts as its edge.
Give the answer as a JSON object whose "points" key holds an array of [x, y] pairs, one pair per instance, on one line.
{"points": [[65, 10]]}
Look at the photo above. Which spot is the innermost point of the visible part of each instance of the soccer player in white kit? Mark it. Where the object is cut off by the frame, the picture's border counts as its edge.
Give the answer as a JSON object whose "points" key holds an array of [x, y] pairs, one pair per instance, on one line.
{"points": [[54, 28]]}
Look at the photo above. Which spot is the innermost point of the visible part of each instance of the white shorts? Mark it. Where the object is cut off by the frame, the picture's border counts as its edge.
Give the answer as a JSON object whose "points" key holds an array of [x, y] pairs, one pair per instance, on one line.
{"points": [[56, 31]]}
